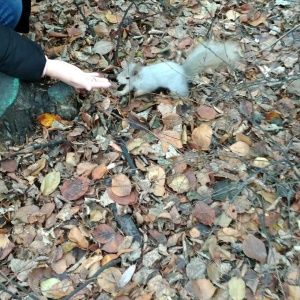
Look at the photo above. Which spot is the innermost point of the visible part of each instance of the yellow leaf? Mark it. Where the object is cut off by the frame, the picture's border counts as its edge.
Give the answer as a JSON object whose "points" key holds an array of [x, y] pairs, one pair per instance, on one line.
{"points": [[237, 288], [47, 119], [179, 184], [50, 183]]}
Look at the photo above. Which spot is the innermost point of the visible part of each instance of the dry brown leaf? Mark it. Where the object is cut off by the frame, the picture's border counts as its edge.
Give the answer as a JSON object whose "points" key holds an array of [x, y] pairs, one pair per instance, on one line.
{"points": [[108, 280], [203, 289], [99, 172], [240, 148], [157, 176], [85, 168], [121, 185], [179, 183], [204, 213], [255, 248], [170, 137], [294, 292], [171, 120], [75, 235], [202, 136], [207, 113]]}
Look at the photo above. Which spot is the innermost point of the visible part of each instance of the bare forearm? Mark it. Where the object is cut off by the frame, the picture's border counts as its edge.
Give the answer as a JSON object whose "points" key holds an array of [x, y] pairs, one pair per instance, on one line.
{"points": [[73, 76]]}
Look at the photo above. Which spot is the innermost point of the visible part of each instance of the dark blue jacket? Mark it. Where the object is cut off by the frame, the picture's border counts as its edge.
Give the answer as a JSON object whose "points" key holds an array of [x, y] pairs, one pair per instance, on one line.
{"points": [[19, 56]]}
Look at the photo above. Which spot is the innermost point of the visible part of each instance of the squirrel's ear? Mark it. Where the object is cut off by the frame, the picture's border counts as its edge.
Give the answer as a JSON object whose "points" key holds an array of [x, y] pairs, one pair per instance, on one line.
{"points": [[136, 69]]}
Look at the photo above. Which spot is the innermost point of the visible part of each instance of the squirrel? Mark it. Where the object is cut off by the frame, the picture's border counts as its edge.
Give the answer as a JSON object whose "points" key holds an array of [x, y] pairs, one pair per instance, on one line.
{"points": [[173, 76]]}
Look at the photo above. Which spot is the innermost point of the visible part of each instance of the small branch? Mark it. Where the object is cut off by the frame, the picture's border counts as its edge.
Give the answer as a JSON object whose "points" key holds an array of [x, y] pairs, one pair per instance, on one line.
{"points": [[31, 148], [86, 283]]}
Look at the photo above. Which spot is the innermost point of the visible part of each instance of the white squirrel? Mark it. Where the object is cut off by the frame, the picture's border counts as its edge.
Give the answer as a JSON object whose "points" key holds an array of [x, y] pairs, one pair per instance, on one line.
{"points": [[173, 76]]}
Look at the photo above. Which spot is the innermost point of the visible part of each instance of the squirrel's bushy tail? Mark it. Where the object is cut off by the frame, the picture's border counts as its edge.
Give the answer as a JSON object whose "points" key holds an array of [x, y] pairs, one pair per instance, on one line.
{"points": [[211, 54]]}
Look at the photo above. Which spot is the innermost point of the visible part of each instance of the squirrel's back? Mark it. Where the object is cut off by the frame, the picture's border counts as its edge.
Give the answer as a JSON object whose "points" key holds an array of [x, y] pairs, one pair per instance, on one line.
{"points": [[211, 54]]}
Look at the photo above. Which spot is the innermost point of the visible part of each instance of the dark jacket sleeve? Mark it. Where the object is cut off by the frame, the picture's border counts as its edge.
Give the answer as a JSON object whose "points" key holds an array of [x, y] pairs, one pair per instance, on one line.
{"points": [[23, 24], [20, 57]]}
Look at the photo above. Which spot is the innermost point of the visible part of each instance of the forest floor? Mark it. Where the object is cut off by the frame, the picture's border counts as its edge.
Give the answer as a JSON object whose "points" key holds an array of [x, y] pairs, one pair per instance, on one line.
{"points": [[158, 197]]}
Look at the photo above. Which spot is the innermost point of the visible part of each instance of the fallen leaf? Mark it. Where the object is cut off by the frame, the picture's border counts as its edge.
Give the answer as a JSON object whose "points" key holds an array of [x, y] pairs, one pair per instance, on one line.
{"points": [[207, 113], [99, 172], [126, 200], [179, 183], [170, 137], [50, 183], [108, 279], [204, 213], [121, 185], [85, 168], [157, 176], [75, 235], [202, 136], [203, 289], [237, 288], [47, 119], [74, 189], [126, 276], [240, 148], [254, 248]]}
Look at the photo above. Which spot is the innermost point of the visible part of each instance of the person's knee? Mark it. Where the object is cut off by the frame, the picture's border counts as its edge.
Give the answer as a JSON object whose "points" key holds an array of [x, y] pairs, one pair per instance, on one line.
{"points": [[10, 12]]}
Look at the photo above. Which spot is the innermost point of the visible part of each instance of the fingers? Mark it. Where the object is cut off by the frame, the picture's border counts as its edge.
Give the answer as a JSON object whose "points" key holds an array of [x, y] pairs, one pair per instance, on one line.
{"points": [[95, 82]]}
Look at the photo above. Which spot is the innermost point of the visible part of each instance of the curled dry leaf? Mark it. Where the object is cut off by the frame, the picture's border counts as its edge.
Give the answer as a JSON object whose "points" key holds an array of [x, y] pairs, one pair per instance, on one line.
{"points": [[260, 162], [255, 248], [202, 136], [35, 168], [121, 185], [50, 183], [75, 235], [157, 175], [179, 183]]}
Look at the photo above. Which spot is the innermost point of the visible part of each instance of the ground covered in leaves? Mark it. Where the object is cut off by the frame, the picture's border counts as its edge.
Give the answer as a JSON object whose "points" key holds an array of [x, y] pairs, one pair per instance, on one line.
{"points": [[159, 197]]}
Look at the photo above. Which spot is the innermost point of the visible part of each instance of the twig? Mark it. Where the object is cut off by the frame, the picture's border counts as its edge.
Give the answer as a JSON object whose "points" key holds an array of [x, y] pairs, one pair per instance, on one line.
{"points": [[31, 148], [127, 157], [4, 289], [19, 287], [85, 19], [119, 32], [87, 282]]}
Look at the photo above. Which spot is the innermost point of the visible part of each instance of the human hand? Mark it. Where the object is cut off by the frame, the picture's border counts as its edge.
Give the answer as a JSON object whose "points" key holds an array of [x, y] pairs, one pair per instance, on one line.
{"points": [[73, 76]]}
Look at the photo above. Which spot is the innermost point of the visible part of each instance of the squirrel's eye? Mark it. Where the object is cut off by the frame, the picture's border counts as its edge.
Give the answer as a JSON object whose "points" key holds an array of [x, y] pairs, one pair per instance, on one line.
{"points": [[127, 77]]}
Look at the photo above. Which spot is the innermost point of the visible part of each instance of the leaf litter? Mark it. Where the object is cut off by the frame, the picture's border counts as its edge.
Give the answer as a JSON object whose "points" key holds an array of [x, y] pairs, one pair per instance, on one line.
{"points": [[174, 199]]}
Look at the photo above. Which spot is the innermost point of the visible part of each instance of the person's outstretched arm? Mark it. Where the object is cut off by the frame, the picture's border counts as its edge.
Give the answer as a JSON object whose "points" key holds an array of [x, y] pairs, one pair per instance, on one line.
{"points": [[25, 59]]}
